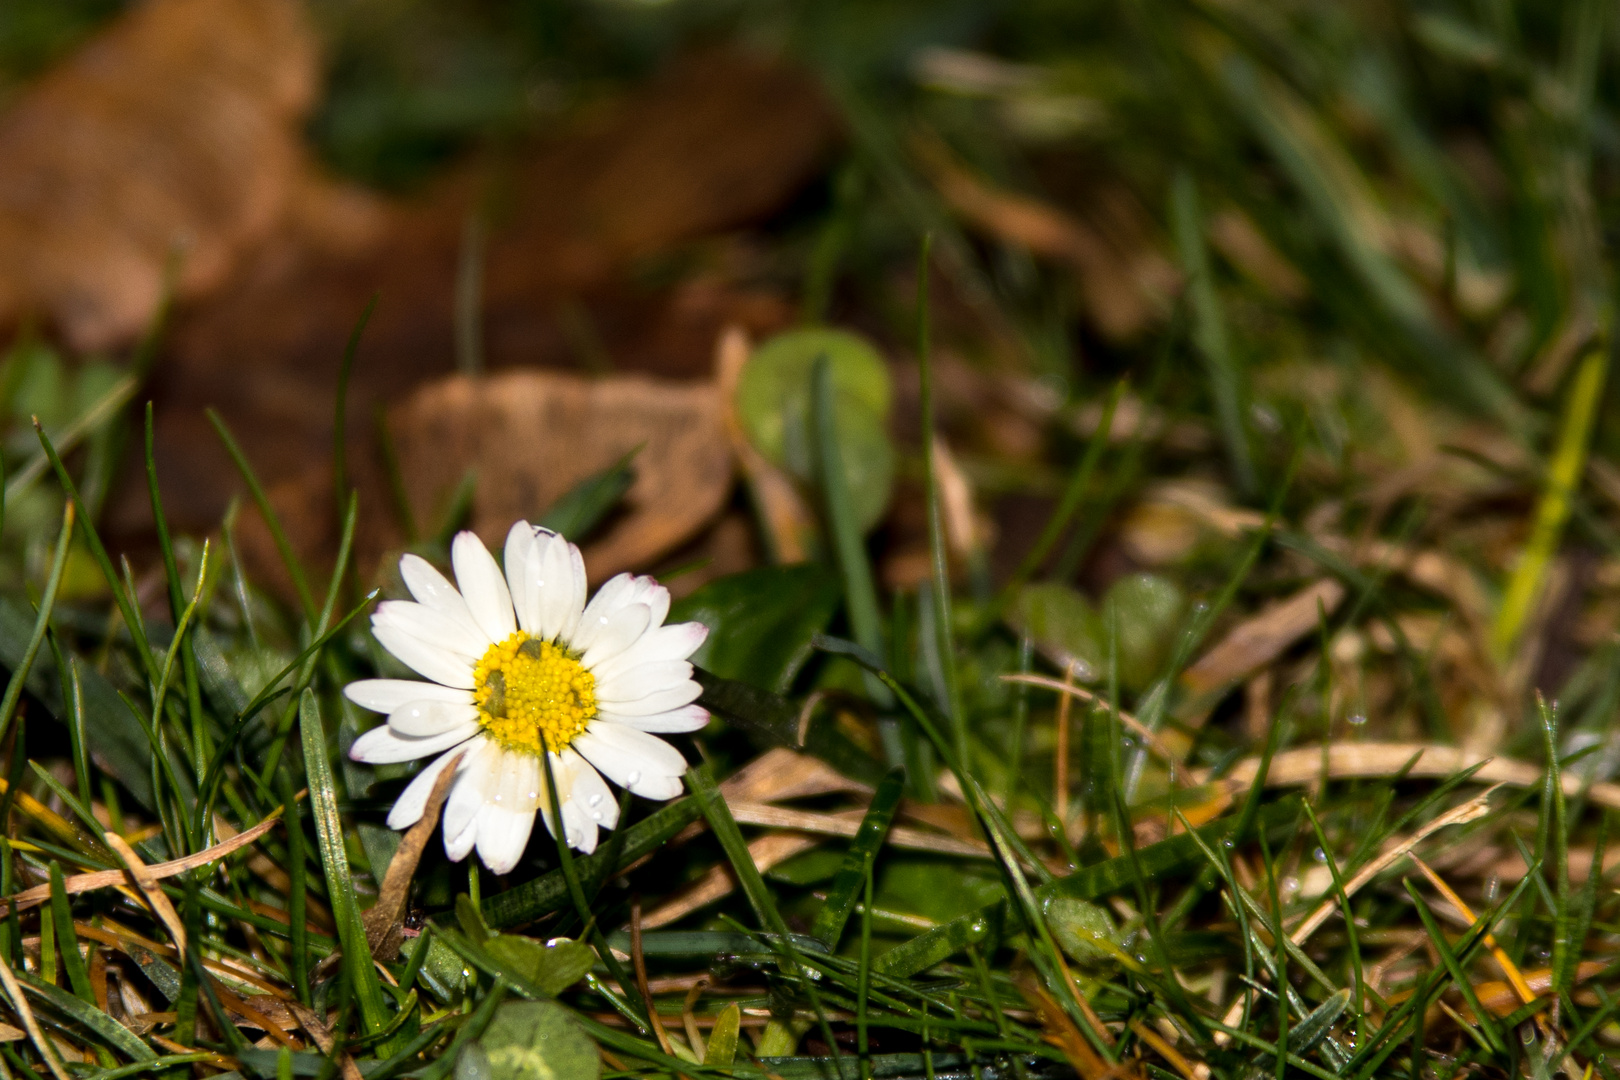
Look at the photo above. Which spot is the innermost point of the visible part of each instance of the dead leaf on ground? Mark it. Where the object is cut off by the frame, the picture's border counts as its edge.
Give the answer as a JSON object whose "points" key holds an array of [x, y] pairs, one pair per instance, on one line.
{"points": [[532, 435], [174, 132], [684, 164], [1261, 638]]}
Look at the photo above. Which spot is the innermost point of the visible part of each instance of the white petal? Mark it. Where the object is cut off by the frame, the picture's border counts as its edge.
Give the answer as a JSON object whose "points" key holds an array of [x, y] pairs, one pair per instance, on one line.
{"points": [[522, 568], [639, 682], [502, 836], [657, 598], [576, 605], [559, 589], [430, 661], [676, 641], [625, 589], [434, 591], [483, 586], [433, 627], [507, 818], [578, 830], [645, 764], [591, 793], [675, 721], [382, 745], [466, 799], [460, 845], [615, 592], [412, 801], [386, 695], [660, 701], [609, 635], [420, 718]]}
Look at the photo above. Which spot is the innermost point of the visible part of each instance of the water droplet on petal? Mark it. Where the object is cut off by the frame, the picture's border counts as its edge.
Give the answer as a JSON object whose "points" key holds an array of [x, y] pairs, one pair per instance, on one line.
{"points": [[633, 778], [596, 815], [595, 800]]}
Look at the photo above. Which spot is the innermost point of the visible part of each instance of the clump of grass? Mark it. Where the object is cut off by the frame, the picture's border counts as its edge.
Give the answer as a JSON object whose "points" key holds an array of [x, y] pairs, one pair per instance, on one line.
{"points": [[1321, 786]]}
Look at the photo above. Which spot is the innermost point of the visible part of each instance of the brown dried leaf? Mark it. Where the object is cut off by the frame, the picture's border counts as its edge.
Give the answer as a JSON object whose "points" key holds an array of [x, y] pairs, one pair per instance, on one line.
{"points": [[174, 132], [533, 435], [384, 918], [1263, 637], [767, 851]]}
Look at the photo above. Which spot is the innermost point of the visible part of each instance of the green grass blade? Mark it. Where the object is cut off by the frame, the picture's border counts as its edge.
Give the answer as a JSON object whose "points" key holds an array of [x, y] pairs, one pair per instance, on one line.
{"points": [[323, 805], [1459, 977], [583, 506], [938, 555], [102, 410], [68, 939], [1068, 502], [98, 551], [533, 899], [297, 893], [856, 868], [105, 1027], [272, 521], [1209, 332], [47, 603], [1552, 512], [849, 546]]}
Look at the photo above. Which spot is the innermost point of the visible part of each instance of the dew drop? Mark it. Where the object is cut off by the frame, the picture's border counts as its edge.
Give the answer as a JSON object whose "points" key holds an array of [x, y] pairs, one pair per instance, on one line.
{"points": [[1357, 719], [633, 778], [595, 800], [596, 815], [1319, 855]]}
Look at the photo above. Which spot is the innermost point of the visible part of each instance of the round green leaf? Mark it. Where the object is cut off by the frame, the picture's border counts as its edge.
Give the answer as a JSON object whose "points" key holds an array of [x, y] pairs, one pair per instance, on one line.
{"points": [[773, 394], [1148, 608], [533, 1040], [549, 966], [1082, 929], [773, 405], [1061, 621]]}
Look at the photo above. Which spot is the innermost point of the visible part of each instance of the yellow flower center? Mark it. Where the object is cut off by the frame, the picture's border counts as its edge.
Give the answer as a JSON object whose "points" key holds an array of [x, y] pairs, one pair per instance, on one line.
{"points": [[528, 690]]}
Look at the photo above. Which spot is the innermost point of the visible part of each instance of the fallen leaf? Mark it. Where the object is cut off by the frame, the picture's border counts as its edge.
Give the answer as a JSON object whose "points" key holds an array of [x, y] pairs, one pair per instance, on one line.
{"points": [[532, 435], [175, 132], [712, 145], [1261, 638]]}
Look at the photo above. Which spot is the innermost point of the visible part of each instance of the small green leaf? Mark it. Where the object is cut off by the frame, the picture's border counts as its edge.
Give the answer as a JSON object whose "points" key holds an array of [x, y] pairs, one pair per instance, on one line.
{"points": [[473, 1063], [722, 1048], [1061, 621], [549, 966], [534, 1040], [1149, 609], [773, 405], [761, 622], [773, 395], [471, 919], [1080, 927]]}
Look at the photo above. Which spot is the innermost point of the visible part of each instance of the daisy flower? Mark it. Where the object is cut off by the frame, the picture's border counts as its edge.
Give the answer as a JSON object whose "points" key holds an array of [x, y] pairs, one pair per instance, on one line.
{"points": [[520, 664]]}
